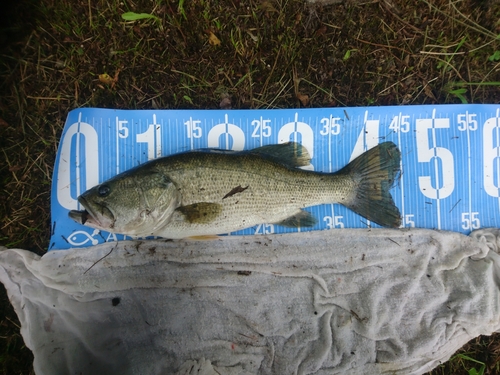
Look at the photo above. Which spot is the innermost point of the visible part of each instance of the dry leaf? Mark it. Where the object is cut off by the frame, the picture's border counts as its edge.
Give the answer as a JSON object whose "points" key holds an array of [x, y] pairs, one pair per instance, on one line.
{"points": [[304, 99], [115, 79], [298, 18], [106, 79], [225, 103], [213, 40], [267, 6], [3, 123], [321, 31], [428, 92]]}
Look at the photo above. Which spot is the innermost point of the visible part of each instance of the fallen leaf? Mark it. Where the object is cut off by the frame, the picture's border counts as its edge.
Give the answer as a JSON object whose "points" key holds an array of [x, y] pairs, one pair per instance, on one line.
{"points": [[137, 30], [304, 99], [106, 79], [298, 18], [213, 40], [321, 31], [3, 123], [15, 168], [115, 79], [267, 6], [225, 103], [132, 16], [428, 92]]}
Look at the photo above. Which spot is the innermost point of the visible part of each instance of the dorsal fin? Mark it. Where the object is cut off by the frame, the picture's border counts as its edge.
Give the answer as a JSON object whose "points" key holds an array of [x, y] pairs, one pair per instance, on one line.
{"points": [[290, 153]]}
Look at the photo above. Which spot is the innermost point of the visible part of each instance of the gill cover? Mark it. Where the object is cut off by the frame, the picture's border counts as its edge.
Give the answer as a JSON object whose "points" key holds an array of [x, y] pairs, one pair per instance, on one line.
{"points": [[136, 202]]}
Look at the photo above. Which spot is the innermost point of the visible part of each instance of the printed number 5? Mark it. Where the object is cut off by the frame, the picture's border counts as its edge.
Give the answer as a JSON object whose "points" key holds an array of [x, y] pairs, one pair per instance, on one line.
{"points": [[444, 182]]}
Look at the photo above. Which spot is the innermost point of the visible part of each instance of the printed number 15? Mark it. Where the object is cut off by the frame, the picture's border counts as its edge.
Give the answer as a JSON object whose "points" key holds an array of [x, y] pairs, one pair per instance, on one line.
{"points": [[193, 128]]}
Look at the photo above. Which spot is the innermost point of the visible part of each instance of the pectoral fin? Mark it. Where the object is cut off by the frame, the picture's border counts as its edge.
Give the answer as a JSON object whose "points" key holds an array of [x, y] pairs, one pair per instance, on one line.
{"points": [[201, 212], [301, 219]]}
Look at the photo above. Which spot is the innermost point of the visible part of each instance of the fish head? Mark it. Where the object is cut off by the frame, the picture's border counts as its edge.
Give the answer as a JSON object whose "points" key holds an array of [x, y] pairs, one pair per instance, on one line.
{"points": [[135, 203]]}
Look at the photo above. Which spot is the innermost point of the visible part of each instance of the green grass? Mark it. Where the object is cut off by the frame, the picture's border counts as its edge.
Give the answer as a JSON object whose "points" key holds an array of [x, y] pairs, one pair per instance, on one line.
{"points": [[473, 366], [272, 54]]}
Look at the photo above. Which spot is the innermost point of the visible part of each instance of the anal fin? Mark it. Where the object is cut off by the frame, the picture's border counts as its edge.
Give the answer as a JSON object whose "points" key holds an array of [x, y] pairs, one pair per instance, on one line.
{"points": [[206, 237], [302, 219]]}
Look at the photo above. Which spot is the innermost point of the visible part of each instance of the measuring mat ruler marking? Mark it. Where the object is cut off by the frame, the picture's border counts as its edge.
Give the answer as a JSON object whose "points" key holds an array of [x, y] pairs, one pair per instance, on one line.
{"points": [[450, 164]]}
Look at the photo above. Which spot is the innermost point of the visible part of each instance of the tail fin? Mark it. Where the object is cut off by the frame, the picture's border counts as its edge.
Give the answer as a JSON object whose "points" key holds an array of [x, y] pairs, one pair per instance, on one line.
{"points": [[374, 173]]}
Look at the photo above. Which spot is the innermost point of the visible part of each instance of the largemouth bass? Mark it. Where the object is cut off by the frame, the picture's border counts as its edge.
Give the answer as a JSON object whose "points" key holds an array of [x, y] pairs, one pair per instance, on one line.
{"points": [[210, 192]]}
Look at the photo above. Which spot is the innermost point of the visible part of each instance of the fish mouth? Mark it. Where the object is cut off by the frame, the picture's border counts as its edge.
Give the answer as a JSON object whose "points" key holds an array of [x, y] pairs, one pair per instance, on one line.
{"points": [[80, 217], [100, 217]]}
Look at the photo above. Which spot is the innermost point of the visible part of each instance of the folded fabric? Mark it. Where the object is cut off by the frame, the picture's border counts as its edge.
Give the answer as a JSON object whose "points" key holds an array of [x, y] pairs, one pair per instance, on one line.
{"points": [[350, 301]]}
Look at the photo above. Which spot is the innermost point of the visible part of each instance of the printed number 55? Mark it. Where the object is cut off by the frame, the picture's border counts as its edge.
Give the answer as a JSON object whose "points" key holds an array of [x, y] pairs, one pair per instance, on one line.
{"points": [[470, 220]]}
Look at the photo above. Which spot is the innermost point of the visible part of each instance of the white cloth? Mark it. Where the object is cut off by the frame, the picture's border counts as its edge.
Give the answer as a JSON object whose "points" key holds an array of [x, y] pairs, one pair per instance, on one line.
{"points": [[333, 302]]}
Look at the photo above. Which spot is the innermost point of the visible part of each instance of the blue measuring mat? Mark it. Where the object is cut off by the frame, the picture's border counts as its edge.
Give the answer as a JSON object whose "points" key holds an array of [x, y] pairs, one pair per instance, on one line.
{"points": [[450, 165]]}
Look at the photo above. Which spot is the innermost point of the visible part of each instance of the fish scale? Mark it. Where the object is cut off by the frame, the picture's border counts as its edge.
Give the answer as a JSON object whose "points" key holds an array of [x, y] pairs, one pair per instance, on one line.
{"points": [[266, 180]]}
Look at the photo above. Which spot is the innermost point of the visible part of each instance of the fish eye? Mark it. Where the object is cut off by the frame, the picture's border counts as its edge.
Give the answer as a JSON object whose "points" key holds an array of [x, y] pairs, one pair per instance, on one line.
{"points": [[103, 190]]}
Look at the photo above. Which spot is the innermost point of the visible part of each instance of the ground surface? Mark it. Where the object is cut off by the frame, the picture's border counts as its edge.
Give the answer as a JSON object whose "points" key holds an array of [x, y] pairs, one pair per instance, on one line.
{"points": [[213, 54]]}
